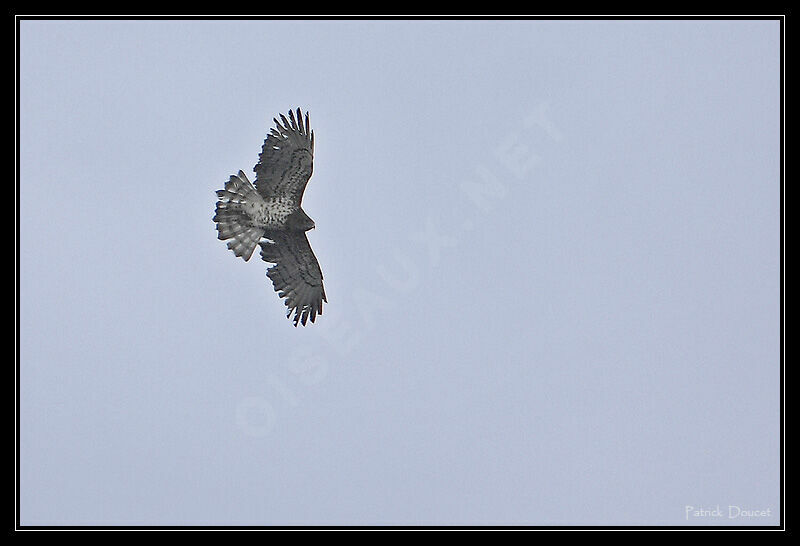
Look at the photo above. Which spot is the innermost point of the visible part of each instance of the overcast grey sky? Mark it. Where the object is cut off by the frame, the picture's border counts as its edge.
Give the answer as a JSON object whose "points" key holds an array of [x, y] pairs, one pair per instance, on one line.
{"points": [[550, 248]]}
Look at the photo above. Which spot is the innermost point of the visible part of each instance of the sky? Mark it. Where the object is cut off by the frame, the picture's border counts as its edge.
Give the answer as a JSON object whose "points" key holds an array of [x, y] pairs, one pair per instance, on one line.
{"points": [[551, 251]]}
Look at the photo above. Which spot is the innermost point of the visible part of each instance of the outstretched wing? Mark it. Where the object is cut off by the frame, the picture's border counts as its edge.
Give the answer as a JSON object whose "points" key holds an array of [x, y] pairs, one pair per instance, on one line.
{"points": [[296, 274], [287, 158]]}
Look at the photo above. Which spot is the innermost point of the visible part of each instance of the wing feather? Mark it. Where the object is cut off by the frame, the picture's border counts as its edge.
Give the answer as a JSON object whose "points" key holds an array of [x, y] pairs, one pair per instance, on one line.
{"points": [[286, 161], [296, 274]]}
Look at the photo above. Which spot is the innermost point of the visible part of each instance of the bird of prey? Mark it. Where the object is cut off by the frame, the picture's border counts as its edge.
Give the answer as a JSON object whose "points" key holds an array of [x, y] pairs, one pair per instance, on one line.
{"points": [[270, 215]]}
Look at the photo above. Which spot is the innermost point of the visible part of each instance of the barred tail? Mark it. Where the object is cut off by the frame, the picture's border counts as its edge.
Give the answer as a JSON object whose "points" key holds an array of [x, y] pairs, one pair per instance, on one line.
{"points": [[232, 219]]}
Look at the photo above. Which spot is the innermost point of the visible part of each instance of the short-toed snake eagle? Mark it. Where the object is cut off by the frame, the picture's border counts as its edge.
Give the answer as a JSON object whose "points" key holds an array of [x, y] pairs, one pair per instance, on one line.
{"points": [[270, 215]]}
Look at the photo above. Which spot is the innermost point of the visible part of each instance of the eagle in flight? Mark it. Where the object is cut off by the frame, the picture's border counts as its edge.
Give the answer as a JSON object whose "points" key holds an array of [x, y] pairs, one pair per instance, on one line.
{"points": [[270, 215]]}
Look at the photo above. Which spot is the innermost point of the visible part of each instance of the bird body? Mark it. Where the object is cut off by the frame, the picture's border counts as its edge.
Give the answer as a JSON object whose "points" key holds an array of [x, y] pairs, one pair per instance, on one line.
{"points": [[272, 213]]}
